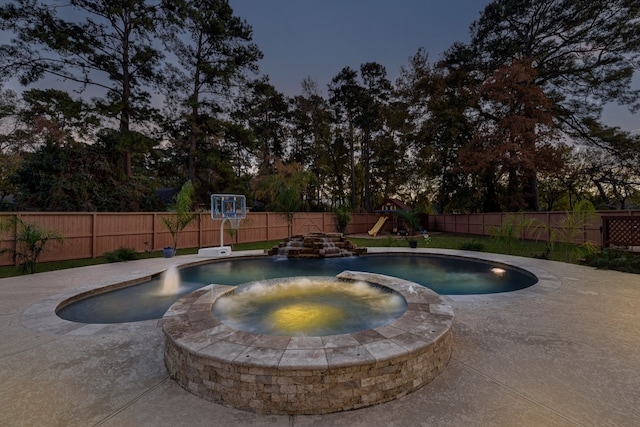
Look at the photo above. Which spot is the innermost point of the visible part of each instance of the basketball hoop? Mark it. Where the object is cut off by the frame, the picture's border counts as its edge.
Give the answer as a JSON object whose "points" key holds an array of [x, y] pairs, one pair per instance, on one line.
{"points": [[228, 206], [234, 223], [225, 207]]}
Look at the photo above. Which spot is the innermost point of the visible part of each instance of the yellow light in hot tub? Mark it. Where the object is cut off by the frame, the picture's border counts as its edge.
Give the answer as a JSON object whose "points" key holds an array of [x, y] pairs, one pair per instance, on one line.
{"points": [[305, 317]]}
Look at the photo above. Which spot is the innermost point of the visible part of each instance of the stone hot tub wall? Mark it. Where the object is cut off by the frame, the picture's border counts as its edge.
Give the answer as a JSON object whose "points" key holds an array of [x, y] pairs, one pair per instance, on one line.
{"points": [[308, 375]]}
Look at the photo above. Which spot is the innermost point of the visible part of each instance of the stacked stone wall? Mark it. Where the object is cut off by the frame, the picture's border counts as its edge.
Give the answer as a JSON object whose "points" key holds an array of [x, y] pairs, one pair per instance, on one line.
{"points": [[308, 375]]}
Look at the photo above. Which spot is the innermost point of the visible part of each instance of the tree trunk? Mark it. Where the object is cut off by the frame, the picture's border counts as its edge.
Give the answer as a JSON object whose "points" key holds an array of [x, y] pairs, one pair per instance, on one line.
{"points": [[530, 191]]}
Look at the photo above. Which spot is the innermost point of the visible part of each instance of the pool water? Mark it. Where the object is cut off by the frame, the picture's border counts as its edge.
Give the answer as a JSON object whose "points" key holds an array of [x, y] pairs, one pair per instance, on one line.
{"points": [[308, 306], [445, 275]]}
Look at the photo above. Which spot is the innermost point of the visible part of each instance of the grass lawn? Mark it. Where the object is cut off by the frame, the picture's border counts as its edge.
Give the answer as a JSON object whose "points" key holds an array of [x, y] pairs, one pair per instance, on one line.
{"points": [[526, 248], [561, 252]]}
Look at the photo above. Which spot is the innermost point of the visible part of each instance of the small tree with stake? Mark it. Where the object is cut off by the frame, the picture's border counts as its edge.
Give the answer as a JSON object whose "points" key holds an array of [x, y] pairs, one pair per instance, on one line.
{"points": [[183, 213], [412, 221]]}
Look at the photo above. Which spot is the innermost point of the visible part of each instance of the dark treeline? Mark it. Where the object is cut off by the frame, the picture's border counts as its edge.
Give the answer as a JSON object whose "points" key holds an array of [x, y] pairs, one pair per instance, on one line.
{"points": [[125, 98]]}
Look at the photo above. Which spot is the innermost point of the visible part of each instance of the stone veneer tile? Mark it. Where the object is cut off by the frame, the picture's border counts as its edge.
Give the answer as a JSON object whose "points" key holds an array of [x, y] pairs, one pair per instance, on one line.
{"points": [[345, 356], [443, 309], [218, 290], [414, 298], [367, 336], [271, 341], [410, 319], [410, 341], [241, 337], [223, 350], [438, 330], [259, 356], [219, 332], [343, 340], [202, 322], [389, 331], [427, 328], [177, 309], [303, 358], [305, 343], [195, 341], [384, 349], [418, 307]]}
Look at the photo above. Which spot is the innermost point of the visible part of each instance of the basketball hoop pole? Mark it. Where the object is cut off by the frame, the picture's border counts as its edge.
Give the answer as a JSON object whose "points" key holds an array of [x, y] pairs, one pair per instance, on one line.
{"points": [[222, 232]]}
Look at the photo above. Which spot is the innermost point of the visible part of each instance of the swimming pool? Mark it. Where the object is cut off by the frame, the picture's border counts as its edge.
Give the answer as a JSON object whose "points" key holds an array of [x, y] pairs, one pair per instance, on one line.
{"points": [[446, 275]]}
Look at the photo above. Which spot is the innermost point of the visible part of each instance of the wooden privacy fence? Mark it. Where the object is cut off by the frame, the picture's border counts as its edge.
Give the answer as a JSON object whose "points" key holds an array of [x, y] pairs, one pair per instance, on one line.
{"points": [[483, 224], [90, 235]]}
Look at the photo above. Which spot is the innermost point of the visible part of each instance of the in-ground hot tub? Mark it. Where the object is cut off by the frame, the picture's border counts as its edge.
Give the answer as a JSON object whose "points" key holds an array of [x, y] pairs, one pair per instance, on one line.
{"points": [[308, 306], [282, 374]]}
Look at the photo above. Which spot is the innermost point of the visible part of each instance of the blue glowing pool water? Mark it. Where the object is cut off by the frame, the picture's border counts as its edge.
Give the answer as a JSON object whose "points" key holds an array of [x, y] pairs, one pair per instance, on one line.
{"points": [[443, 274]]}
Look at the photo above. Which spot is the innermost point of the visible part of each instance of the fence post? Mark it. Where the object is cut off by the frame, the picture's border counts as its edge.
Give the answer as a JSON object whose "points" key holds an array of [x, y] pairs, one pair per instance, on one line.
{"points": [[200, 230], [153, 232]]}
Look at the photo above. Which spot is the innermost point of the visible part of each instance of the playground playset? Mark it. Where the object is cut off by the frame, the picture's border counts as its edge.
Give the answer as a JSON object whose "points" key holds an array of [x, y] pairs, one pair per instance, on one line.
{"points": [[390, 222]]}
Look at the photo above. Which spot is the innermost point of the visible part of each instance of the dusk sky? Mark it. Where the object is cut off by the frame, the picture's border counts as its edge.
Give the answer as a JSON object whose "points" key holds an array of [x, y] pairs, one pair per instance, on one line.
{"points": [[301, 38], [317, 38]]}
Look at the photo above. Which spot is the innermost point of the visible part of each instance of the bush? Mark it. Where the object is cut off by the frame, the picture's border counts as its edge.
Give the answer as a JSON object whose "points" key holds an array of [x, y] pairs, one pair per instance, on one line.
{"points": [[342, 218], [472, 245], [612, 259], [546, 254], [121, 254], [30, 242]]}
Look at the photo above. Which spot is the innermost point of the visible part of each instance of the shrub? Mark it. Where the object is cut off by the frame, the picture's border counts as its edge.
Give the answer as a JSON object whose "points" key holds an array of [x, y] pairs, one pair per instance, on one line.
{"points": [[121, 254], [612, 259], [30, 242], [546, 254], [567, 229], [342, 218], [513, 228], [472, 245]]}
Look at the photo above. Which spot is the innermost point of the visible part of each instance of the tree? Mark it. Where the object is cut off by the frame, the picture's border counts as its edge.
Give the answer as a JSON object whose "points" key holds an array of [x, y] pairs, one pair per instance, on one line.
{"points": [[213, 52], [182, 214], [617, 183], [265, 111], [54, 177], [516, 139], [285, 191], [311, 139], [344, 95], [79, 177], [584, 53], [438, 102], [107, 45], [11, 148], [375, 96]]}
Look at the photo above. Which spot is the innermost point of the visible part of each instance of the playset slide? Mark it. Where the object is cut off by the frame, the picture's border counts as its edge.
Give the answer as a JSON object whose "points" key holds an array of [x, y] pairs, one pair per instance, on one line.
{"points": [[376, 228]]}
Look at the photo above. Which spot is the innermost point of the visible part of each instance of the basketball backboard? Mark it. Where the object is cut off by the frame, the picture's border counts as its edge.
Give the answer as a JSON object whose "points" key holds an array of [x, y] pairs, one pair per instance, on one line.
{"points": [[228, 206]]}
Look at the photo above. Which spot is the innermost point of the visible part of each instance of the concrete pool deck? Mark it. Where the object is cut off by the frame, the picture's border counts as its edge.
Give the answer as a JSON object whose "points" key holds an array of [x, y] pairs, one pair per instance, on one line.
{"points": [[565, 352]]}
